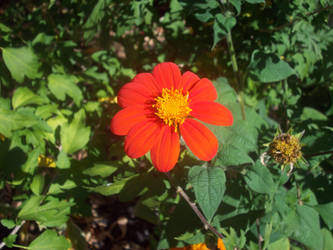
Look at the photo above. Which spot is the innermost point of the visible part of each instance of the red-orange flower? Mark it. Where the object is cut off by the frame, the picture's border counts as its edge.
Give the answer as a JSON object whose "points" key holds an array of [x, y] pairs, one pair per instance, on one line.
{"points": [[160, 107]]}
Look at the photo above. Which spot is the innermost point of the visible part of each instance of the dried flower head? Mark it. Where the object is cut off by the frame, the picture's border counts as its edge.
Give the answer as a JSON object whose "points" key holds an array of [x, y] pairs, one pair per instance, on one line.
{"points": [[285, 149]]}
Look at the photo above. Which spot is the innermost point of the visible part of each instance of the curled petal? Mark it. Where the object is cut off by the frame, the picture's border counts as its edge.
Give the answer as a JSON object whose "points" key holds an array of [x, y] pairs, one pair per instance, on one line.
{"points": [[203, 90], [212, 113], [133, 93], [201, 141], [141, 138], [187, 81], [167, 75], [164, 154], [126, 118]]}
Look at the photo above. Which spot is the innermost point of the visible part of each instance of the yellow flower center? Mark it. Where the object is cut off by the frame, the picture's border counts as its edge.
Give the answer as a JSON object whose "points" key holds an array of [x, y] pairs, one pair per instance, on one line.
{"points": [[172, 107]]}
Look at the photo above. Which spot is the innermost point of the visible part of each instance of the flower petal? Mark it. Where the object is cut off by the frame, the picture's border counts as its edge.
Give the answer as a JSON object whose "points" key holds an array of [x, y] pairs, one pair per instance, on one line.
{"points": [[201, 141], [133, 93], [187, 81], [164, 154], [203, 90], [212, 113], [141, 138], [167, 75], [126, 118], [149, 82]]}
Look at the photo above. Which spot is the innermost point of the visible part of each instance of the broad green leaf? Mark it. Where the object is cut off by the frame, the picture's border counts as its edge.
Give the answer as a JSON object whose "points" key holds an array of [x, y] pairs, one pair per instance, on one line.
{"points": [[58, 188], [63, 161], [328, 239], [32, 162], [312, 114], [10, 240], [51, 212], [222, 25], [6, 122], [259, 179], [24, 96], [49, 240], [326, 213], [101, 169], [37, 184], [281, 244], [209, 187], [75, 136], [21, 62], [269, 67], [307, 229], [111, 188], [255, 1], [8, 223], [62, 85]]}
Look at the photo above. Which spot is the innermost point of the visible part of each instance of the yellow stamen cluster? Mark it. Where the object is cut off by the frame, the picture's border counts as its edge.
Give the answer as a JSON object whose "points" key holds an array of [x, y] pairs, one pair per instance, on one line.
{"points": [[172, 107], [285, 149]]}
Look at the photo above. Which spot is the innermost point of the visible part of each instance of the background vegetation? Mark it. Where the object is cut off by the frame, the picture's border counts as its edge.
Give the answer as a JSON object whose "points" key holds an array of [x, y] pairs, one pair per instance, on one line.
{"points": [[65, 180]]}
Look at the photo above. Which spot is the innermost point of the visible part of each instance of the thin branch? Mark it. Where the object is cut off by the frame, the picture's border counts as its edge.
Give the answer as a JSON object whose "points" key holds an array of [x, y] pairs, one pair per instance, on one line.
{"points": [[196, 210], [14, 231]]}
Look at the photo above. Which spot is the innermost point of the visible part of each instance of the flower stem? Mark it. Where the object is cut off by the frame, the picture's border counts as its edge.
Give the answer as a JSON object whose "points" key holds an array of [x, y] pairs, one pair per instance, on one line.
{"points": [[14, 231], [196, 210], [236, 72]]}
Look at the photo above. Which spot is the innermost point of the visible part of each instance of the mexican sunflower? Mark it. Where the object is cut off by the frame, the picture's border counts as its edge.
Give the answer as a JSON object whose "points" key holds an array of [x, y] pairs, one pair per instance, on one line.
{"points": [[201, 246], [161, 107]]}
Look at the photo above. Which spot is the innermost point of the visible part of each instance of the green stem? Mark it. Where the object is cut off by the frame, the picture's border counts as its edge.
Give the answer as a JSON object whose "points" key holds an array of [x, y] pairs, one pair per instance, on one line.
{"points": [[19, 246], [236, 73]]}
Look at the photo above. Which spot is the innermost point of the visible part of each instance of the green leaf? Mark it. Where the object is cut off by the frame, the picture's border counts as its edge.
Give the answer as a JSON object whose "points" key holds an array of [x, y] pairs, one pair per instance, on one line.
{"points": [[209, 187], [6, 122], [312, 114], [51, 212], [101, 169], [259, 179], [63, 162], [10, 240], [281, 244], [307, 230], [49, 240], [326, 213], [21, 62], [255, 1], [111, 188], [222, 25], [8, 223], [32, 162], [328, 239], [269, 67], [37, 184], [75, 136], [24, 96], [75, 234], [62, 85]]}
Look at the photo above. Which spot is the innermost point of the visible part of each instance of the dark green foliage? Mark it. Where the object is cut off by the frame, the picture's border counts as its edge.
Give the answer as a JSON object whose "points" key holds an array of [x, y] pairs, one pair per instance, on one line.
{"points": [[62, 64]]}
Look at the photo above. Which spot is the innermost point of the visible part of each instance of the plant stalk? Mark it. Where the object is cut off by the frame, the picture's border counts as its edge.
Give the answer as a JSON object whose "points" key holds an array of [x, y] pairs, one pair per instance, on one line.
{"points": [[196, 210], [236, 73]]}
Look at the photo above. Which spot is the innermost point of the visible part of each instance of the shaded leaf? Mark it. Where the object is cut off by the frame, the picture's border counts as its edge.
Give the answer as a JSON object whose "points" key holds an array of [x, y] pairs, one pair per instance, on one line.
{"points": [[62, 85], [269, 67], [49, 240], [209, 187], [75, 136], [21, 62], [24, 96]]}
